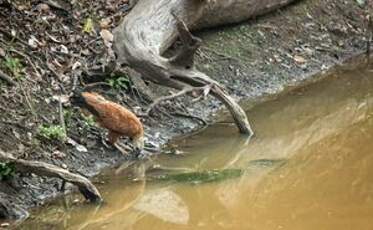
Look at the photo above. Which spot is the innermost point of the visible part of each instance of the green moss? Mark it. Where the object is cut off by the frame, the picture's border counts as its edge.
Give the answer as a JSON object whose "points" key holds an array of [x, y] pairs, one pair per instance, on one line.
{"points": [[15, 66], [52, 132]]}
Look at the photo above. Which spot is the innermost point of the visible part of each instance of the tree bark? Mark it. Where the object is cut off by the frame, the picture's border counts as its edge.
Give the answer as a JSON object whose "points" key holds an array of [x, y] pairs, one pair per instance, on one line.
{"points": [[153, 26]]}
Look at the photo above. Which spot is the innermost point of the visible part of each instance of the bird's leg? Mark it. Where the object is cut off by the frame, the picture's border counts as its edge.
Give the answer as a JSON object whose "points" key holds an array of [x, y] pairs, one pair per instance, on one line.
{"points": [[63, 186], [113, 139], [103, 141], [121, 149], [127, 148]]}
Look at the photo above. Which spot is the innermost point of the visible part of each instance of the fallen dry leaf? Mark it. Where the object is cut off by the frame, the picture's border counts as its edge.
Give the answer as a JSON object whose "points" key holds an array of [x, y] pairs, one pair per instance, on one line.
{"points": [[107, 36]]}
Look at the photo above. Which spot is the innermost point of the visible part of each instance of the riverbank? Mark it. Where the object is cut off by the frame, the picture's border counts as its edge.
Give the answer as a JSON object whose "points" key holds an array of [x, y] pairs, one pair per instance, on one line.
{"points": [[255, 61]]}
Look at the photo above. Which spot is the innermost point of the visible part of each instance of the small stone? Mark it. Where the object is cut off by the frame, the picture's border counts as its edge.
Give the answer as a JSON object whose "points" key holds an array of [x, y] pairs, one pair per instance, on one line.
{"points": [[2, 52], [64, 49], [299, 59], [63, 98], [33, 42], [5, 225], [58, 154], [105, 23], [64, 166], [42, 7], [81, 148]]}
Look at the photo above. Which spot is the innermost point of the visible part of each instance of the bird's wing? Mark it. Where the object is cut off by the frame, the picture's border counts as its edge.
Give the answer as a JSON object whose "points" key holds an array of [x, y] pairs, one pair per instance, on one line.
{"points": [[113, 116], [116, 118]]}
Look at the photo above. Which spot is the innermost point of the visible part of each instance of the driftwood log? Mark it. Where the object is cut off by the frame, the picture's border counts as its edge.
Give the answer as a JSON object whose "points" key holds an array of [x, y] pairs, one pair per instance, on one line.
{"points": [[153, 26], [88, 190]]}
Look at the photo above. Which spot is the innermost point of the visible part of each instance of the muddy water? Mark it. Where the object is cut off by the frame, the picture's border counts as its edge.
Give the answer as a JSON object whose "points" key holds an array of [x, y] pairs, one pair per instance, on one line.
{"points": [[310, 166]]}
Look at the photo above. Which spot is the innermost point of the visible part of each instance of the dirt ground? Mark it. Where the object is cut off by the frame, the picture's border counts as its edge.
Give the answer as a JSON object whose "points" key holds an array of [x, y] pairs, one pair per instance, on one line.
{"points": [[55, 45]]}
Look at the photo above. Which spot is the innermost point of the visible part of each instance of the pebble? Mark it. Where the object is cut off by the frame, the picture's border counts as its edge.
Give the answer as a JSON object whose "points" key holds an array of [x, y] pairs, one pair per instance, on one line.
{"points": [[4, 225], [42, 7]]}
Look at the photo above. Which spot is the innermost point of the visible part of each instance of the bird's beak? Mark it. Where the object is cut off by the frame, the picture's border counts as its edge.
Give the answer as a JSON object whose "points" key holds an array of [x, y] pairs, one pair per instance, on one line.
{"points": [[138, 143]]}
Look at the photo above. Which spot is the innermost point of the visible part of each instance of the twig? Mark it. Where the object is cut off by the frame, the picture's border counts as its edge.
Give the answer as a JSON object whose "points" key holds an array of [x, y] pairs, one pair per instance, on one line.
{"points": [[93, 85], [5, 77], [28, 101], [178, 94], [58, 76], [62, 118]]}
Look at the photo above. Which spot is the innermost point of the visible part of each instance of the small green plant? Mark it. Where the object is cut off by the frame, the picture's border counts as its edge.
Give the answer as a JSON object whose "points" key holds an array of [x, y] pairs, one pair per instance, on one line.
{"points": [[67, 115], [119, 83], [6, 171], [52, 132], [88, 25], [15, 66], [89, 120]]}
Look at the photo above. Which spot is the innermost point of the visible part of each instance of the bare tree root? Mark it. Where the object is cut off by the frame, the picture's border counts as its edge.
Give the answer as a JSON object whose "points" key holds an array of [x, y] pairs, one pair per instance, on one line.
{"points": [[88, 190], [153, 26]]}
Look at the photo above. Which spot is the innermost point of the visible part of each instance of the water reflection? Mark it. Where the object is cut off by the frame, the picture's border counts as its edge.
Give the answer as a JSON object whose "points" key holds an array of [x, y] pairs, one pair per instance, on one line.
{"points": [[308, 167]]}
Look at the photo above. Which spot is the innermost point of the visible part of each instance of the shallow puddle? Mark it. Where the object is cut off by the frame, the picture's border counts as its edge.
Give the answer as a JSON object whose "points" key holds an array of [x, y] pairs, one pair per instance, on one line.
{"points": [[310, 166]]}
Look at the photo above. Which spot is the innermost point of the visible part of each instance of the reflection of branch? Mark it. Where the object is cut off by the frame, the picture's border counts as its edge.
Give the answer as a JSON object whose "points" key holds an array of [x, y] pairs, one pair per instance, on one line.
{"points": [[104, 217], [239, 148]]}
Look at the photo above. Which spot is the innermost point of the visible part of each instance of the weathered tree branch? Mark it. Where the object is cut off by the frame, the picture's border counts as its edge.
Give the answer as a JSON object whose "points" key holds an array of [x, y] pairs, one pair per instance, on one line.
{"points": [[88, 190], [153, 26], [190, 44]]}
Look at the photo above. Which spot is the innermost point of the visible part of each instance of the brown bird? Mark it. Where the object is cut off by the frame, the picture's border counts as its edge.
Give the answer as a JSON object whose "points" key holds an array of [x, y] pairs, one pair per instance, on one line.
{"points": [[118, 120]]}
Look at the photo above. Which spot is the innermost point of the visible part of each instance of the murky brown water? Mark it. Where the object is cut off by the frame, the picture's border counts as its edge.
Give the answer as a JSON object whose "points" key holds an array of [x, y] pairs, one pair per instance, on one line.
{"points": [[323, 133]]}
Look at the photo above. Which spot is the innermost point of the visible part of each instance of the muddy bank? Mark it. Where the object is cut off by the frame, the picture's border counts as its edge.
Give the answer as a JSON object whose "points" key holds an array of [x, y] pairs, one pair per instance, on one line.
{"points": [[256, 61]]}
